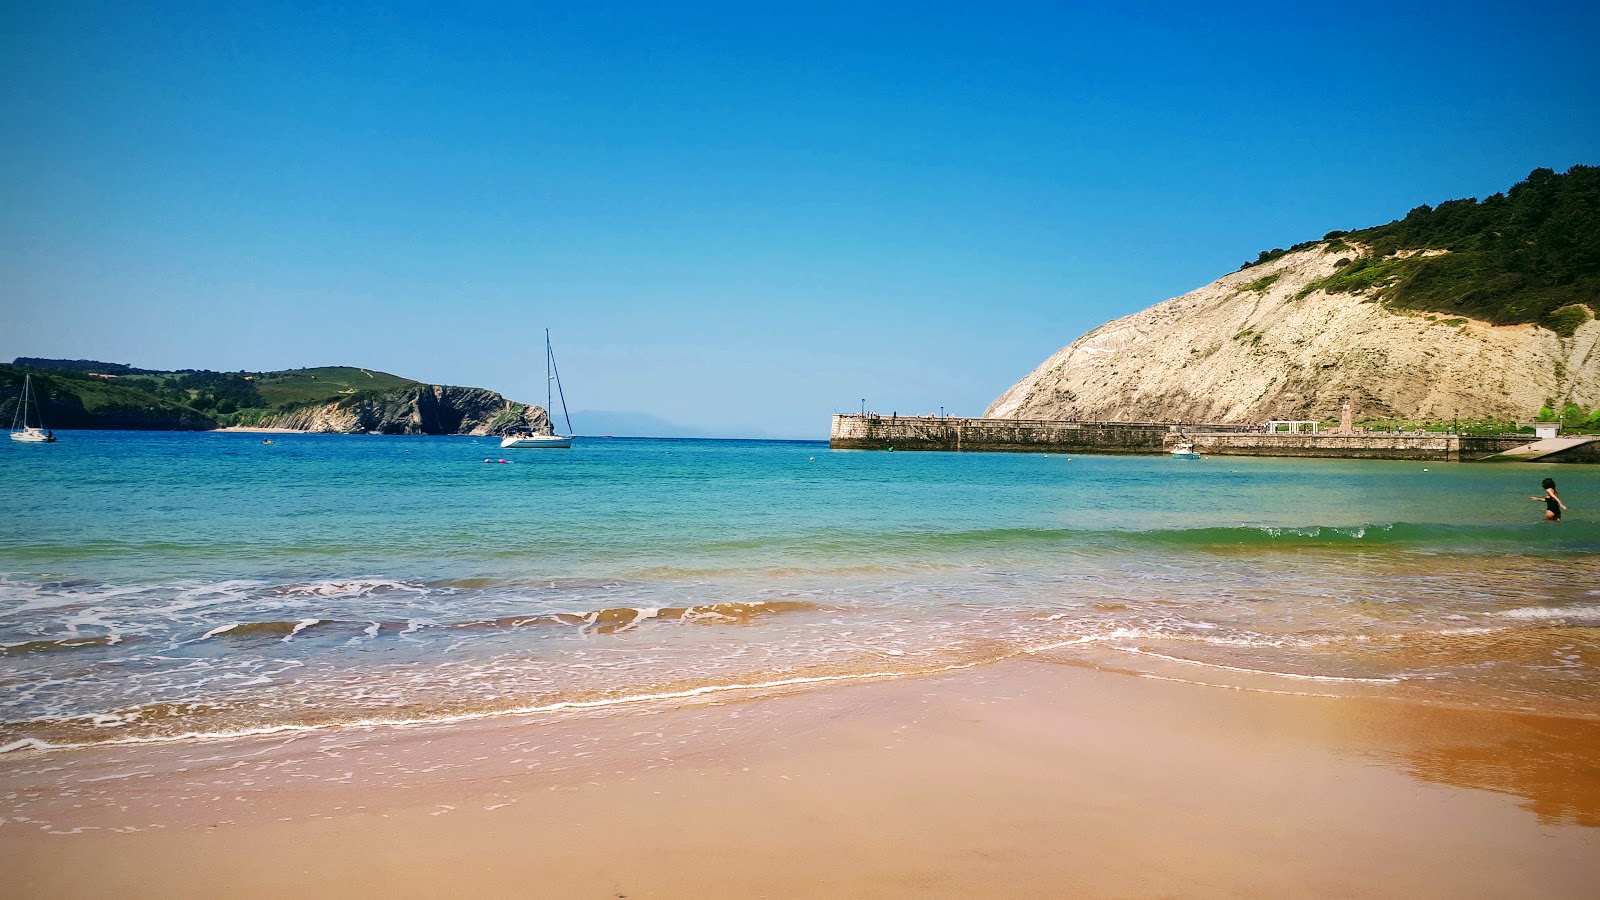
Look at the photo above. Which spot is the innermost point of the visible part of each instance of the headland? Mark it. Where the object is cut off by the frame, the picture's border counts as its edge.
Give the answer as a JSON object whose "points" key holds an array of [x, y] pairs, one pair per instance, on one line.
{"points": [[91, 394]]}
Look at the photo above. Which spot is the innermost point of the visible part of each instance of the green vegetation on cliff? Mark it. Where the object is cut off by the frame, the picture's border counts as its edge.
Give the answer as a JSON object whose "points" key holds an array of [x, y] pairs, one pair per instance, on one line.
{"points": [[70, 399], [93, 394], [1529, 255]]}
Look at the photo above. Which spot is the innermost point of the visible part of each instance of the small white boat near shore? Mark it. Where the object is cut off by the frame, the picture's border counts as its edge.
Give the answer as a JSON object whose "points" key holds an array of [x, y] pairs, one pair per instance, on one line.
{"points": [[1185, 451], [525, 440], [536, 442]]}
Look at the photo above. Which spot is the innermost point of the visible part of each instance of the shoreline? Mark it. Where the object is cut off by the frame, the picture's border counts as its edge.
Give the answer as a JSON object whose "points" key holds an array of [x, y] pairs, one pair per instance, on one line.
{"points": [[1025, 776], [261, 429]]}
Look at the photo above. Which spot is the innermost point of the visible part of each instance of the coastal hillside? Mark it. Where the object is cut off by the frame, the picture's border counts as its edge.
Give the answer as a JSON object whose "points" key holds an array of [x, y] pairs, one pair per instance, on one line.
{"points": [[93, 394], [1471, 310]]}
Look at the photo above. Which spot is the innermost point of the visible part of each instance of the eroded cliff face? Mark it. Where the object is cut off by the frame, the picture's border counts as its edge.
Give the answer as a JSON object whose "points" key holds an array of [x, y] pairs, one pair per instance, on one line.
{"points": [[1240, 350], [427, 409]]}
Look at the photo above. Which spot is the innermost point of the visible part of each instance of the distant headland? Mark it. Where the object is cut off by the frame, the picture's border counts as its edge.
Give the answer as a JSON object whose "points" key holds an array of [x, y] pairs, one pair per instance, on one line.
{"points": [[84, 393]]}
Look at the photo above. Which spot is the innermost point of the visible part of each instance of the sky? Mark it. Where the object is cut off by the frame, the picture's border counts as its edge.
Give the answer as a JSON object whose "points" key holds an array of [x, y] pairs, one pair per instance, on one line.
{"points": [[735, 219]]}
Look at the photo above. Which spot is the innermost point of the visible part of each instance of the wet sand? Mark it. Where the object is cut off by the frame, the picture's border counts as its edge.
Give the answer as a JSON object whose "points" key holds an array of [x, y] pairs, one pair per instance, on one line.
{"points": [[1023, 778]]}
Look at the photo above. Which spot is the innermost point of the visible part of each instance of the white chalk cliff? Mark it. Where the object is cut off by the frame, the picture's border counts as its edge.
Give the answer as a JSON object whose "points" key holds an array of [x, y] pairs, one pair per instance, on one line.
{"points": [[1248, 347]]}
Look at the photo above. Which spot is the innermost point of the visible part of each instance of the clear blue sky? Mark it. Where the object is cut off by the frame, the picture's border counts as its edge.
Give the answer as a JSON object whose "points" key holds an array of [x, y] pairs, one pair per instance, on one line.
{"points": [[737, 217]]}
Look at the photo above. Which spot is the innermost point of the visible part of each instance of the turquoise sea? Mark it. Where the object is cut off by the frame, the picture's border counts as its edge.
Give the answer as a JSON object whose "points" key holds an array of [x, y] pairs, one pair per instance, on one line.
{"points": [[164, 586]]}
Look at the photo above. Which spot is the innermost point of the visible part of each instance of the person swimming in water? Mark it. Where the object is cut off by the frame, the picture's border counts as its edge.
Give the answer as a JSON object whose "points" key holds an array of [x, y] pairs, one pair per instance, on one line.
{"points": [[1552, 501]]}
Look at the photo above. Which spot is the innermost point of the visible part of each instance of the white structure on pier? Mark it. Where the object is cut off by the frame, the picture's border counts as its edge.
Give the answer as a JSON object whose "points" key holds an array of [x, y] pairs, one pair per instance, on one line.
{"points": [[1294, 426]]}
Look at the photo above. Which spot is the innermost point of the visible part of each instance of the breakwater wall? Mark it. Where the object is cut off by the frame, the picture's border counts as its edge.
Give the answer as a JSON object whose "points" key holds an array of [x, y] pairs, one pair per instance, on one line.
{"points": [[875, 432], [1434, 446]]}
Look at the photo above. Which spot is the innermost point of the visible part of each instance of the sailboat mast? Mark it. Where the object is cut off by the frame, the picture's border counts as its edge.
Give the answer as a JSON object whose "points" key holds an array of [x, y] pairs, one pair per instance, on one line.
{"points": [[22, 404], [559, 392], [548, 412]]}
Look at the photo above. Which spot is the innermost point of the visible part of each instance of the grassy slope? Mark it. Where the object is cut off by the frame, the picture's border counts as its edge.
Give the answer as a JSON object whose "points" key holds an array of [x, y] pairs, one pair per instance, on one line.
{"points": [[65, 395], [154, 397], [1530, 255], [298, 387]]}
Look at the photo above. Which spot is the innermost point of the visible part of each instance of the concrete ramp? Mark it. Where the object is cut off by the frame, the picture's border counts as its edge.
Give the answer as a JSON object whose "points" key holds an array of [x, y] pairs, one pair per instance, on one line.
{"points": [[1541, 449]]}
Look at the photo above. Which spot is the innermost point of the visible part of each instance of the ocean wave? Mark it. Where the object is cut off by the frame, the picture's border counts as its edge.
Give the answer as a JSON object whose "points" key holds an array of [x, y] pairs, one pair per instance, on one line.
{"points": [[622, 618], [1550, 612], [281, 630], [1581, 536], [52, 645], [81, 737], [1296, 676], [342, 589], [607, 620]]}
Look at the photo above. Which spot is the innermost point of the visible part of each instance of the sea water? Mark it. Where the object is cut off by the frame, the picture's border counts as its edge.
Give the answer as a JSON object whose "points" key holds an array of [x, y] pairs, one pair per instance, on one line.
{"points": [[170, 586]]}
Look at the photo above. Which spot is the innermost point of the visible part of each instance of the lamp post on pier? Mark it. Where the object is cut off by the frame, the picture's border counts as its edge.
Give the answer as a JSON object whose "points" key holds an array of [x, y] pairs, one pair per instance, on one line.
{"points": [[863, 407]]}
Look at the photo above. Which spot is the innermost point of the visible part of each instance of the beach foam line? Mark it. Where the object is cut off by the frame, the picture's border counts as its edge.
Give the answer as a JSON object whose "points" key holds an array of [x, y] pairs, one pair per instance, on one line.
{"points": [[1294, 675], [1550, 612], [1120, 634], [300, 626], [561, 706], [1240, 687], [220, 629]]}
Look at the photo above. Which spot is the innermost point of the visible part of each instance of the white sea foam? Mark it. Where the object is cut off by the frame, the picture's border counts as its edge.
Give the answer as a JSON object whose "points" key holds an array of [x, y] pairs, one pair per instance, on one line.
{"points": [[1551, 612], [350, 588], [1294, 675], [456, 718], [1237, 687], [220, 629], [300, 626]]}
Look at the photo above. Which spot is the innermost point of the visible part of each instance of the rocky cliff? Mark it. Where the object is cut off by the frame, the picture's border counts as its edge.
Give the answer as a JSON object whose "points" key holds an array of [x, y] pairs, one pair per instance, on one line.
{"points": [[1267, 342], [425, 409]]}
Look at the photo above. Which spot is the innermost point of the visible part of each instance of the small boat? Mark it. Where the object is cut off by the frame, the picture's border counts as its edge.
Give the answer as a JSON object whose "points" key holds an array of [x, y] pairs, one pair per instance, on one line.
{"points": [[1185, 451], [20, 429], [526, 440]]}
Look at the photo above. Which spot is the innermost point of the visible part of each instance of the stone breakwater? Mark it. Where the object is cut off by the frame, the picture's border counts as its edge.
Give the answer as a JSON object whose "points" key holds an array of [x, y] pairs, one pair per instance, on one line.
{"points": [[1436, 447], [873, 432]]}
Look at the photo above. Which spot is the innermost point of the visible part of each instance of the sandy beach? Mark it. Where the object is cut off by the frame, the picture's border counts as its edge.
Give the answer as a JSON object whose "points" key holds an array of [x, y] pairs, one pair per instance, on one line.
{"points": [[260, 429], [1023, 778]]}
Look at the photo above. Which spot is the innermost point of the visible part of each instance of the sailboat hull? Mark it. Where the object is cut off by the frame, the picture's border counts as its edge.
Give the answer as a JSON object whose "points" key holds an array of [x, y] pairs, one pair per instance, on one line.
{"points": [[536, 442], [32, 436]]}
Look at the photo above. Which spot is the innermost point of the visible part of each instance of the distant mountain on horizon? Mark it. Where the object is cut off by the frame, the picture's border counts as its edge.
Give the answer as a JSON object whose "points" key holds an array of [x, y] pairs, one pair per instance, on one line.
{"points": [[615, 423]]}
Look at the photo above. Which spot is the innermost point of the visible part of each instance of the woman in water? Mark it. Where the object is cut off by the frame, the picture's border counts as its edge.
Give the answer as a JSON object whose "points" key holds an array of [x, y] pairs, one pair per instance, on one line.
{"points": [[1552, 501]]}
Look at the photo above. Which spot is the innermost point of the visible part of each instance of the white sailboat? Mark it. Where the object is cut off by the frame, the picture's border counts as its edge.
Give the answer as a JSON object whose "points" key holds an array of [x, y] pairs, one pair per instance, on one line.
{"points": [[528, 441], [20, 429]]}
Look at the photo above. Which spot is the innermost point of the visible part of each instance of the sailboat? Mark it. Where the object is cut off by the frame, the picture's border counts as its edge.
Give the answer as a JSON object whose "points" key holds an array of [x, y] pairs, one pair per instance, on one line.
{"points": [[20, 429], [527, 441]]}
